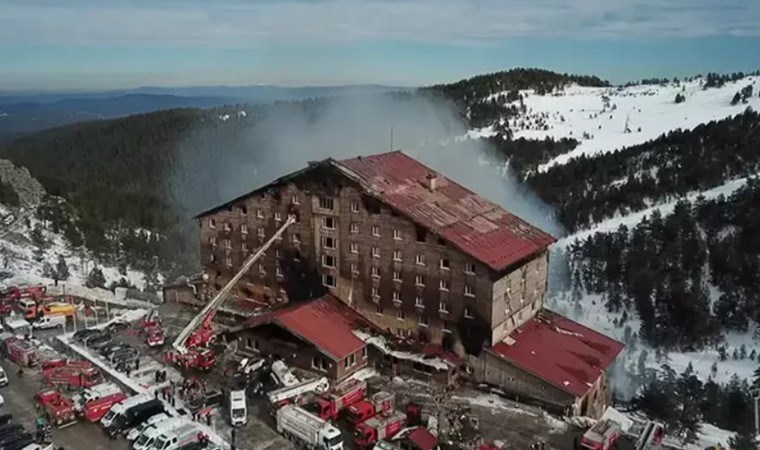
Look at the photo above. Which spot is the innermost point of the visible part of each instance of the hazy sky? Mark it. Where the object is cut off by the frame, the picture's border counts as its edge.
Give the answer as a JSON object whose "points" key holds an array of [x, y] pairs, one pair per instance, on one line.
{"points": [[96, 44]]}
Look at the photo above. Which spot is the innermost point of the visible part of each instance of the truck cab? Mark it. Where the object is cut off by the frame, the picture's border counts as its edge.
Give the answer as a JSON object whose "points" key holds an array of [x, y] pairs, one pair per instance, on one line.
{"points": [[331, 438]]}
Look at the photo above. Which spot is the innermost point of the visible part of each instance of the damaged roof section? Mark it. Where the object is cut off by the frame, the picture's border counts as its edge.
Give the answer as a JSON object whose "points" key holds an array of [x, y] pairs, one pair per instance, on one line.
{"points": [[325, 323], [473, 224], [476, 226], [560, 351]]}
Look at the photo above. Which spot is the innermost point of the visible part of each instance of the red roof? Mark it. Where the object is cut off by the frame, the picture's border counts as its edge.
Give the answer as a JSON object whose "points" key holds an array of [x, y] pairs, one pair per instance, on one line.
{"points": [[422, 439], [560, 351], [325, 323], [474, 225]]}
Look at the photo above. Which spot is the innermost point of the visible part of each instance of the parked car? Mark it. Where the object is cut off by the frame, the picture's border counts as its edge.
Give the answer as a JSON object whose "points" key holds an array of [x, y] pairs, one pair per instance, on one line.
{"points": [[109, 349], [92, 336], [99, 342], [82, 335], [116, 326]]}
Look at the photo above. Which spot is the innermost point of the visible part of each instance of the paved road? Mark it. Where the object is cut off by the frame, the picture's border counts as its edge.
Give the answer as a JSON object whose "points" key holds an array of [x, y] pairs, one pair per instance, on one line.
{"points": [[18, 401]]}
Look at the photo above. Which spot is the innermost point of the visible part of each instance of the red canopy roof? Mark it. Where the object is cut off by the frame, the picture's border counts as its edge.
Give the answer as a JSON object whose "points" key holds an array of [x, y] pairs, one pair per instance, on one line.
{"points": [[560, 351], [325, 323], [474, 225]]}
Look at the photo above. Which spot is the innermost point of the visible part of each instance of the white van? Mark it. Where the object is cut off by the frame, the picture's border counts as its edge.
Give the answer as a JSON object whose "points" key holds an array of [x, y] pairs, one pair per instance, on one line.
{"points": [[135, 433], [147, 438], [186, 434], [119, 408], [94, 393], [238, 408], [46, 322]]}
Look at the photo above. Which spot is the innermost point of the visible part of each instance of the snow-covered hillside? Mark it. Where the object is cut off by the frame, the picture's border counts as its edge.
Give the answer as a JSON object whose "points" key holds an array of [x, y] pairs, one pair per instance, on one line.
{"points": [[607, 119]]}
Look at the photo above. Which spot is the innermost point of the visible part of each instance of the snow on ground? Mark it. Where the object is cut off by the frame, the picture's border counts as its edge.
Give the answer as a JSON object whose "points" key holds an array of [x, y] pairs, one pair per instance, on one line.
{"points": [[26, 270], [631, 220], [580, 110]]}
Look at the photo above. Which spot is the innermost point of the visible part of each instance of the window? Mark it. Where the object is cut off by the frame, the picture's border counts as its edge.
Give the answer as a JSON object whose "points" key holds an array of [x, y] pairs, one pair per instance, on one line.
{"points": [[212, 223], [212, 241], [277, 216], [467, 313], [421, 234], [469, 291], [353, 227], [244, 229], [296, 238], [396, 275], [441, 242], [212, 257], [420, 260], [400, 315], [326, 203], [227, 243], [419, 302], [375, 252], [397, 255], [375, 292], [443, 285], [244, 248], [374, 207], [262, 271], [445, 328], [278, 271], [354, 247], [376, 272], [419, 280], [328, 222], [294, 200], [316, 363], [260, 213], [328, 280], [328, 261], [423, 321], [244, 210], [354, 207], [228, 261], [445, 264], [277, 253], [227, 226], [260, 232], [328, 242], [443, 307], [397, 235], [375, 230], [396, 296], [354, 268]]}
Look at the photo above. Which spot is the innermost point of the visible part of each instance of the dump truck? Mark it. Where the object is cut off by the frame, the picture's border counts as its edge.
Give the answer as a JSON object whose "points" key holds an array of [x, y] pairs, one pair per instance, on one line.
{"points": [[364, 409], [307, 429], [328, 406], [56, 408], [73, 375], [378, 428]]}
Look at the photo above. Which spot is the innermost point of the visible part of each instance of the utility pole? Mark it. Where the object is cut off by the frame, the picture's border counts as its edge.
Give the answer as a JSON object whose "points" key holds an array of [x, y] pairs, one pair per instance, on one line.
{"points": [[391, 138], [756, 397]]}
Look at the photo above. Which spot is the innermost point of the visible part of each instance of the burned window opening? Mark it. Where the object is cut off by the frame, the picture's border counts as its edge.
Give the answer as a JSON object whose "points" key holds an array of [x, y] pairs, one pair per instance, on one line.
{"points": [[421, 233]]}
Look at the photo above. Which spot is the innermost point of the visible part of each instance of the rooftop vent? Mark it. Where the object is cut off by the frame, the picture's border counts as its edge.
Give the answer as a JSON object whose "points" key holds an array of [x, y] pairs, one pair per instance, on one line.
{"points": [[432, 181]]}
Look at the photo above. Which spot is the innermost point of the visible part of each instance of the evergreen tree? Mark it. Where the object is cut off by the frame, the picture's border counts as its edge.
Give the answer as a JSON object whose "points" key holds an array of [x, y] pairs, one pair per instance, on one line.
{"points": [[743, 440], [96, 278], [737, 98], [37, 237], [62, 269], [680, 98]]}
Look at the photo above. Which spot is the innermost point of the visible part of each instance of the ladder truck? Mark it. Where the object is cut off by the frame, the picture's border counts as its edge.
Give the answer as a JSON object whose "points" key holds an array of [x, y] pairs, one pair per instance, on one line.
{"points": [[190, 349]]}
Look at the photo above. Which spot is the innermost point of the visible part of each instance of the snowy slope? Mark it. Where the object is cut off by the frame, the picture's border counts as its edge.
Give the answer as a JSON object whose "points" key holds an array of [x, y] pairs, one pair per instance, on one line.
{"points": [[578, 110]]}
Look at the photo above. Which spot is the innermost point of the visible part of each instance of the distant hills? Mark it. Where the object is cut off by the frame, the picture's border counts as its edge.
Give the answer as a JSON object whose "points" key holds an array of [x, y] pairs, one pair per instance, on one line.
{"points": [[22, 113]]}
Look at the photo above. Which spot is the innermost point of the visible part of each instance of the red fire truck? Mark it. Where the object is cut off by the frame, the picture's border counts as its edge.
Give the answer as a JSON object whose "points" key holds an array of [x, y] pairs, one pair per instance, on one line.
{"points": [[56, 408], [20, 351], [328, 406], [73, 375], [364, 409], [378, 428], [602, 436], [96, 409]]}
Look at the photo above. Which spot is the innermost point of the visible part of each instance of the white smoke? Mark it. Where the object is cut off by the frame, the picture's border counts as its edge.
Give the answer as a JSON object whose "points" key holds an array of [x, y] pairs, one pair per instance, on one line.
{"points": [[286, 138]]}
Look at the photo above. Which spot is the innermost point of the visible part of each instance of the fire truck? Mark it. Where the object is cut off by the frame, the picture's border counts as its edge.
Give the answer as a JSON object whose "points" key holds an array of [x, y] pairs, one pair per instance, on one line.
{"points": [[329, 406], [20, 351], [73, 375], [190, 348], [603, 435], [95, 410], [378, 428], [290, 394], [362, 410], [56, 408]]}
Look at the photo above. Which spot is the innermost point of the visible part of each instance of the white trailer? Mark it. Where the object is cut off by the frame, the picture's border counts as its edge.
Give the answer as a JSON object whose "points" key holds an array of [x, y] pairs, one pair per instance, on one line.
{"points": [[282, 375], [300, 426], [317, 385]]}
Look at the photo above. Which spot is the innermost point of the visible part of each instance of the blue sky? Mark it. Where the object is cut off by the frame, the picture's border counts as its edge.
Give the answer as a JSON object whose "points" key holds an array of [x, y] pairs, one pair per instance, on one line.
{"points": [[102, 44]]}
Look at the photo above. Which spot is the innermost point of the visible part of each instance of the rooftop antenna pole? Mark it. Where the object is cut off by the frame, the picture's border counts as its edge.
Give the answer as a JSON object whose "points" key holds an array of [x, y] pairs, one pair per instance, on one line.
{"points": [[391, 138]]}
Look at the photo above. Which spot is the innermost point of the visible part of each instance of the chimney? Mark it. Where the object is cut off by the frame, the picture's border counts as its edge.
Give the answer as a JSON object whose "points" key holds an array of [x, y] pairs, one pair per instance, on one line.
{"points": [[432, 181]]}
